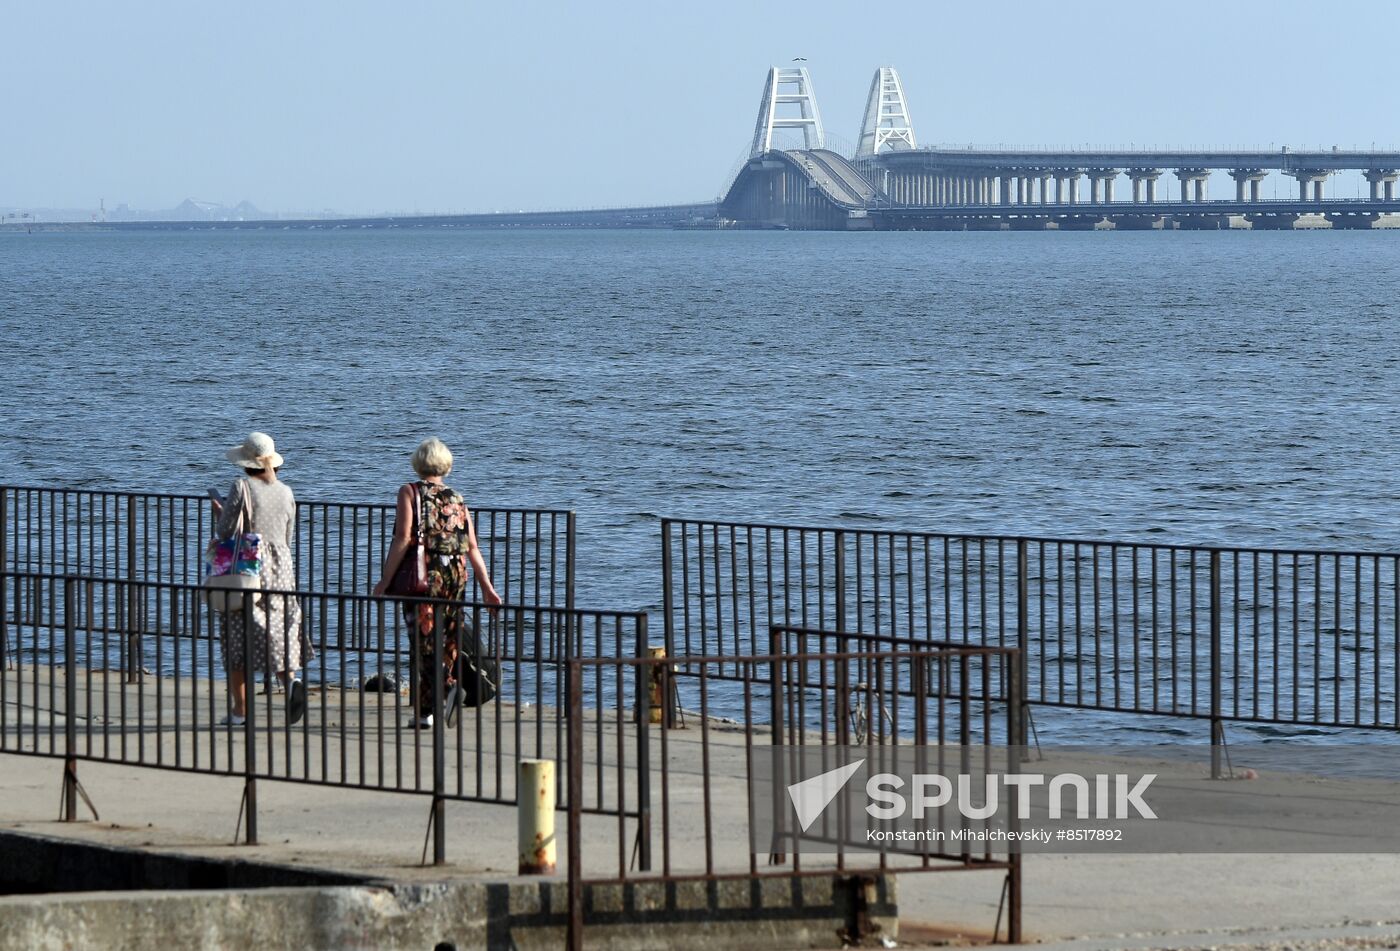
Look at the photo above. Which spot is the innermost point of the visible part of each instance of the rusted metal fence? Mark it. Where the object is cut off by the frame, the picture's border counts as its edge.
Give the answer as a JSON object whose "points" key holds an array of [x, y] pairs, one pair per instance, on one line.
{"points": [[700, 775], [1306, 638], [65, 693], [338, 547]]}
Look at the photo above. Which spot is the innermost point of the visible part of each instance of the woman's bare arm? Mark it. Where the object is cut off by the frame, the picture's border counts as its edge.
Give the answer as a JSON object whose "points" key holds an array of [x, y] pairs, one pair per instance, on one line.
{"points": [[479, 572], [403, 538]]}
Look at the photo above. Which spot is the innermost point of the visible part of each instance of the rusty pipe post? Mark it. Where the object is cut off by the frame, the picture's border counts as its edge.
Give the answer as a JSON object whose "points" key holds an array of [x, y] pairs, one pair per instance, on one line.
{"points": [[574, 935], [535, 811], [70, 702]]}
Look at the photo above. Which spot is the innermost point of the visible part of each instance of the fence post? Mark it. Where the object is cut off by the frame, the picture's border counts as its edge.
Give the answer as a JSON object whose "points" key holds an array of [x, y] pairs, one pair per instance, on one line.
{"points": [[840, 581], [776, 673], [133, 633], [439, 745], [645, 677], [575, 787], [70, 705], [4, 580], [668, 624], [250, 707], [1217, 725], [570, 530], [1023, 638], [1016, 735]]}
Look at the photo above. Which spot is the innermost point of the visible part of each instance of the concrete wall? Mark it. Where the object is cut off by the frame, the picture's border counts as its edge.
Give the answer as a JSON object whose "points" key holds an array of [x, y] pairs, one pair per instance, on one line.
{"points": [[517, 913]]}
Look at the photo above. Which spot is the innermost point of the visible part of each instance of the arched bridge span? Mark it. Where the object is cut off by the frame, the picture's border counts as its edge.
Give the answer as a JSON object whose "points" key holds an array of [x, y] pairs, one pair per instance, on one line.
{"points": [[801, 189]]}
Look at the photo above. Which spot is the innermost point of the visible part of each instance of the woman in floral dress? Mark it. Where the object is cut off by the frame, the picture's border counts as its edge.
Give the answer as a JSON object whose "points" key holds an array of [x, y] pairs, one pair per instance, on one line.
{"points": [[449, 539]]}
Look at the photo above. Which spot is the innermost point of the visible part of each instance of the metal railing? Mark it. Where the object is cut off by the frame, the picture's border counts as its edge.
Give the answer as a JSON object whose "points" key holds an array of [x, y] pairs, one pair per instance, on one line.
{"points": [[701, 775], [1305, 638], [339, 547], [64, 693]]}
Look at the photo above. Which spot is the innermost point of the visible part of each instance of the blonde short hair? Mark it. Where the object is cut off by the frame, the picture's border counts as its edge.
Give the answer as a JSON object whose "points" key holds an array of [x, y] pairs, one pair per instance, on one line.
{"points": [[432, 458]]}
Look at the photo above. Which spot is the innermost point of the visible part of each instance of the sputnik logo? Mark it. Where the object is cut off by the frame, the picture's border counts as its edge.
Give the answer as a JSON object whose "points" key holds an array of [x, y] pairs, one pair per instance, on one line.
{"points": [[811, 796]]}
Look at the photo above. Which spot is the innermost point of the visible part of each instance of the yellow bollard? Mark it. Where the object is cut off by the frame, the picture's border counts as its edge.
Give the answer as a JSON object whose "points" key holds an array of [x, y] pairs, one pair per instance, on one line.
{"points": [[536, 812]]}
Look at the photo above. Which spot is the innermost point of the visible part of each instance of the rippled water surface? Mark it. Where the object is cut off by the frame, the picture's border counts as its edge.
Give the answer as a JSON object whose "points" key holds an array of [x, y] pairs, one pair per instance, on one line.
{"points": [[1230, 387]]}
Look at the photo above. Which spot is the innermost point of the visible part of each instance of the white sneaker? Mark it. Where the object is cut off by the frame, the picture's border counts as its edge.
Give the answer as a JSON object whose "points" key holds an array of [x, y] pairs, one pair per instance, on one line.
{"points": [[421, 723], [233, 719]]}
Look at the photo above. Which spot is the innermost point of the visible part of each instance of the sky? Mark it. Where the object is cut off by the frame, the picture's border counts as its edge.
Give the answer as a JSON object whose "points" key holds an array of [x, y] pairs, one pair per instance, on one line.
{"points": [[467, 106]]}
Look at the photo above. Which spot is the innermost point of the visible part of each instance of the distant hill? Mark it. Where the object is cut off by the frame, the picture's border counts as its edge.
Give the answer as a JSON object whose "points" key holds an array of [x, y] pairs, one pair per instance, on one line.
{"points": [[192, 209]]}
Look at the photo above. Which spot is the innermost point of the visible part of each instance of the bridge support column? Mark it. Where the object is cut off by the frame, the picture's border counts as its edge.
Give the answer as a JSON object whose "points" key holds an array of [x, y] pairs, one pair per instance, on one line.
{"points": [[1067, 186], [1310, 176], [1101, 184], [1379, 178], [1250, 176], [1193, 176], [1145, 181]]}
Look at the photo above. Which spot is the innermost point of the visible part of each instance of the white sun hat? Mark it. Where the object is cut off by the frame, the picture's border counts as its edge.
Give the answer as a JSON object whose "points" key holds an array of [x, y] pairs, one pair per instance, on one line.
{"points": [[256, 452]]}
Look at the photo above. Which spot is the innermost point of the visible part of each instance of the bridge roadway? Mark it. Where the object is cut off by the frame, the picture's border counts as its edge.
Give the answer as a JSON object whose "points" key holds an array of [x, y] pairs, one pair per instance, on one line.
{"points": [[1283, 160], [818, 189], [652, 216], [836, 175], [1159, 209]]}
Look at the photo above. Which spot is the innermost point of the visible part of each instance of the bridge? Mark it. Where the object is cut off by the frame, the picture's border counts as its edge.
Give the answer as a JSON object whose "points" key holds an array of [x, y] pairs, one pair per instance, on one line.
{"points": [[692, 215], [890, 183]]}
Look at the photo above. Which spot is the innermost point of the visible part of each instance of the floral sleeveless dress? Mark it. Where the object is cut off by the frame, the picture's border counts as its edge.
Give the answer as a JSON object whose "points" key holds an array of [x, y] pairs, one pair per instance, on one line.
{"points": [[448, 541]]}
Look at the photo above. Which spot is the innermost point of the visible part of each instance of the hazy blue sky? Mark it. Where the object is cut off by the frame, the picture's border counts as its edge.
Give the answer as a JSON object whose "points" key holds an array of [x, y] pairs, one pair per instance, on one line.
{"points": [[481, 106]]}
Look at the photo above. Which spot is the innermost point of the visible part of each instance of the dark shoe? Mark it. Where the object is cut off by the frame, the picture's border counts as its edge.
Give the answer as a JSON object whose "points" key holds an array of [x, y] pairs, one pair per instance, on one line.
{"points": [[453, 703], [421, 723], [296, 702]]}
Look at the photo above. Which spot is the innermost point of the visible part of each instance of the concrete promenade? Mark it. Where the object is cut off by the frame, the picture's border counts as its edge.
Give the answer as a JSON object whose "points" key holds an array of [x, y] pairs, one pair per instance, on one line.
{"points": [[1107, 901], [1089, 901]]}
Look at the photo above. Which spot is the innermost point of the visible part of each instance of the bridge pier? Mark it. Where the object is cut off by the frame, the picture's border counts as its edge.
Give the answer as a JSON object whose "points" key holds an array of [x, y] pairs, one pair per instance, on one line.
{"points": [[1310, 176], [1193, 176], [1067, 185], [1353, 222], [1101, 184], [1378, 177], [1137, 222], [1202, 222], [1272, 222], [1250, 176], [1144, 179]]}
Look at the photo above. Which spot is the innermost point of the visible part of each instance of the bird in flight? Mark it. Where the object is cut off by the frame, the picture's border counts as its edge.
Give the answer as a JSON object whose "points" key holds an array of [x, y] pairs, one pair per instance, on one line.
{"points": [[799, 59]]}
